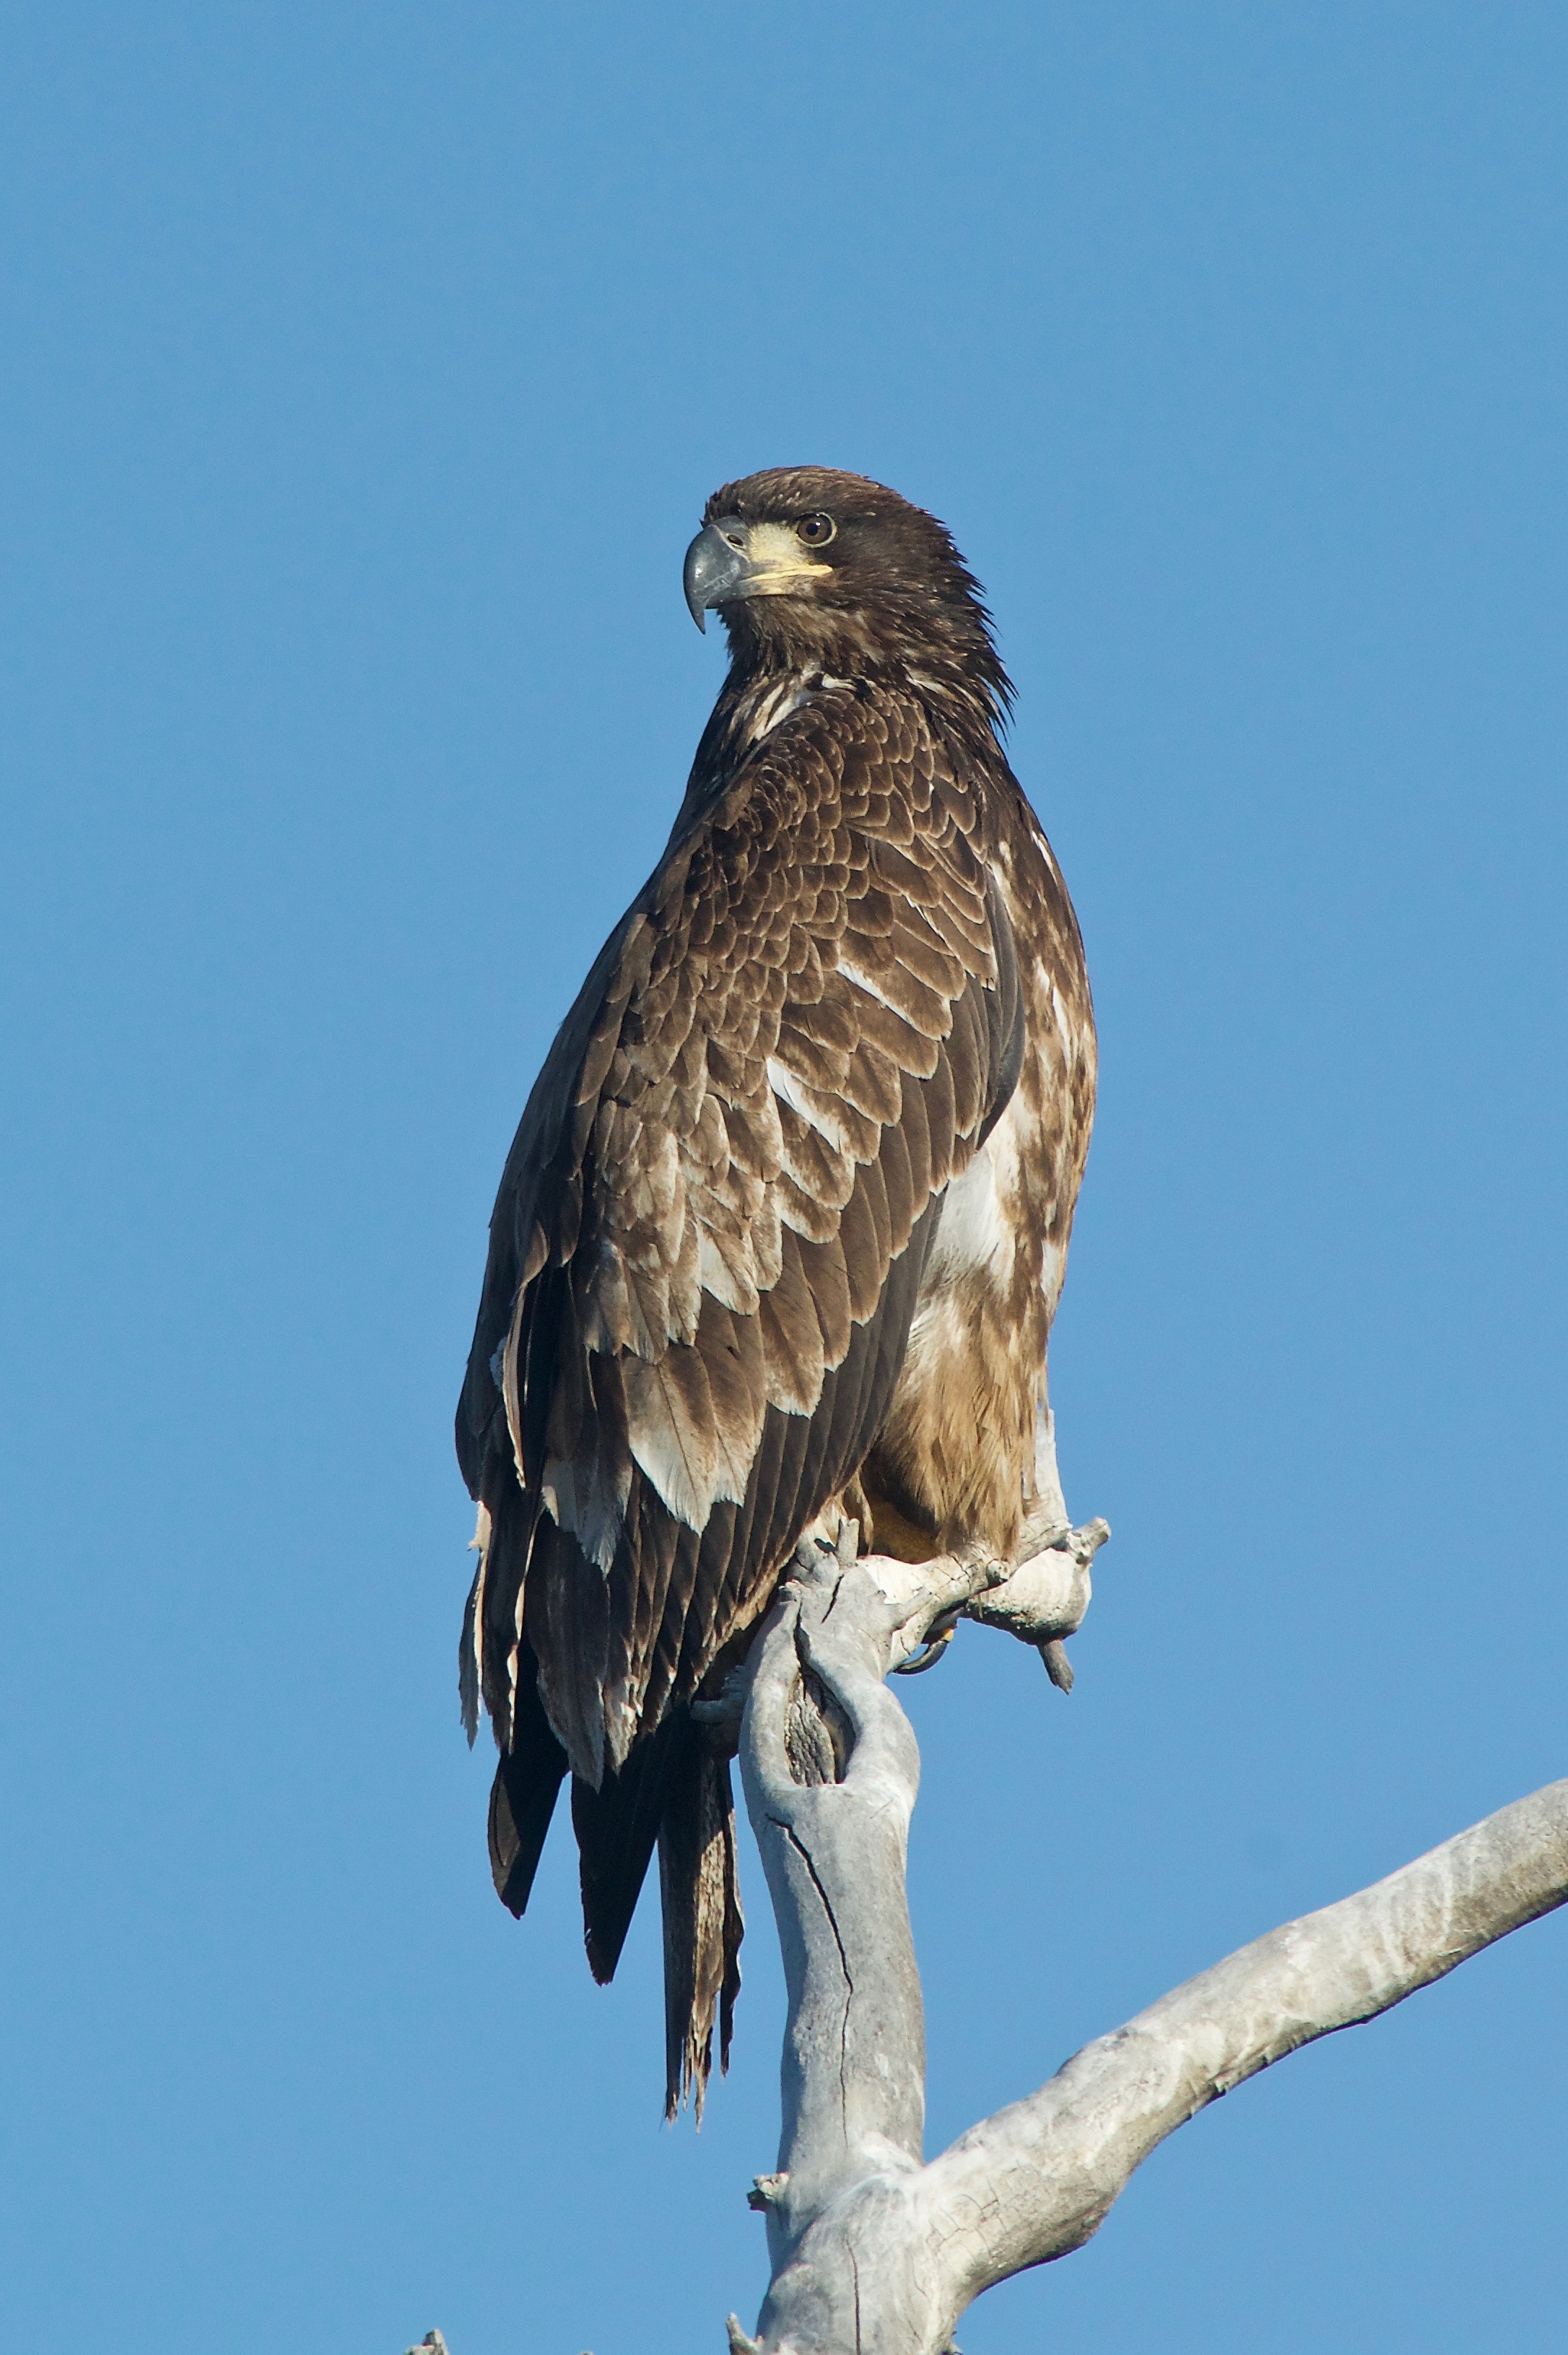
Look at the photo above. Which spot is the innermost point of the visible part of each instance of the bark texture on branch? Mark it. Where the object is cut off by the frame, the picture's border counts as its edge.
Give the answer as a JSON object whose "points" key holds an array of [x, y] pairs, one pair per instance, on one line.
{"points": [[872, 2251]]}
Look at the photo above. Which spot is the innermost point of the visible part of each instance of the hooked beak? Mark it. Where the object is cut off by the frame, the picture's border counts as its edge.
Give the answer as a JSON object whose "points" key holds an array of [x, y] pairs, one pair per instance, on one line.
{"points": [[729, 560], [716, 567]]}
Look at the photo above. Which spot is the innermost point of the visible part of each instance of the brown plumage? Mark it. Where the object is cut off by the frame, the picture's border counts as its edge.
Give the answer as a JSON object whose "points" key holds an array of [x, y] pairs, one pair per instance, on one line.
{"points": [[782, 1229]]}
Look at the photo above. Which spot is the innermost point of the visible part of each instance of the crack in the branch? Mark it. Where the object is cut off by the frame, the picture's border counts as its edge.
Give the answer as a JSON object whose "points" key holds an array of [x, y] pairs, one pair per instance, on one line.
{"points": [[803, 1852]]}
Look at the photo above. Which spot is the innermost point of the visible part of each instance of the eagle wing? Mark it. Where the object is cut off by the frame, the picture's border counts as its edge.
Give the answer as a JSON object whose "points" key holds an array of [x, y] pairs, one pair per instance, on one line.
{"points": [[709, 1234]]}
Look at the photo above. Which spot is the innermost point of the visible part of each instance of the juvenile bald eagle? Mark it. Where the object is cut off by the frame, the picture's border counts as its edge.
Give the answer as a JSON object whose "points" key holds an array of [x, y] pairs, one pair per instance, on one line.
{"points": [[783, 1229]]}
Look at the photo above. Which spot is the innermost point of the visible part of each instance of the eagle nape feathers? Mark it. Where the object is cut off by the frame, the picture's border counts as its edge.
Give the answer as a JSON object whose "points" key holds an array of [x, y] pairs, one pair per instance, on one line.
{"points": [[783, 1229]]}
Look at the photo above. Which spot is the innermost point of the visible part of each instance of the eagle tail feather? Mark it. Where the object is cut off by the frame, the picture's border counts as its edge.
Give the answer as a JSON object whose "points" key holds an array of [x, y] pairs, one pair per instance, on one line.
{"points": [[700, 1892], [616, 1827], [528, 1777]]}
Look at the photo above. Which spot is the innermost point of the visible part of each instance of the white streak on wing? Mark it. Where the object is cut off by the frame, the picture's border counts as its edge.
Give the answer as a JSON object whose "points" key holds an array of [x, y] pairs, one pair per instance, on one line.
{"points": [[853, 974], [817, 1114], [783, 1082]]}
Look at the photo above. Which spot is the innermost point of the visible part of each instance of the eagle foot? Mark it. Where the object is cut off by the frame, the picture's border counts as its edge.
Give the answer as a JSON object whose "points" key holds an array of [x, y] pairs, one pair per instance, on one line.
{"points": [[1084, 1543], [720, 1713], [1042, 1600]]}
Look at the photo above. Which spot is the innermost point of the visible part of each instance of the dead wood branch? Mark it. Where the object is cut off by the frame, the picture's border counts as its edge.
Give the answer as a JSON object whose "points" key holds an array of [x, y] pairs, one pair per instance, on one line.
{"points": [[871, 2250]]}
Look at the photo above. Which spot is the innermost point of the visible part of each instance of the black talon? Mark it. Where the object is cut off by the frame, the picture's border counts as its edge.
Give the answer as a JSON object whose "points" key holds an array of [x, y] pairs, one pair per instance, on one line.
{"points": [[928, 1654], [1058, 1666]]}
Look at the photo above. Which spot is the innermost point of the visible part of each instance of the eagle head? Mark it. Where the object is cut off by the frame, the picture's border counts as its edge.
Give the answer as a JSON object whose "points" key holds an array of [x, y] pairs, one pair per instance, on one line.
{"points": [[807, 566]]}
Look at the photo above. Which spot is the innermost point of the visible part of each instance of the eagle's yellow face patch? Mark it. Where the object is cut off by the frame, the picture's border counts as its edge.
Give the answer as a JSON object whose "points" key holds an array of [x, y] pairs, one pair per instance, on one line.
{"points": [[777, 564]]}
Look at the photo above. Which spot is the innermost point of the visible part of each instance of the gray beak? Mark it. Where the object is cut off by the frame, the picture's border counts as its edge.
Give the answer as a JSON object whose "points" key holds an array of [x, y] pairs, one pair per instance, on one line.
{"points": [[716, 565]]}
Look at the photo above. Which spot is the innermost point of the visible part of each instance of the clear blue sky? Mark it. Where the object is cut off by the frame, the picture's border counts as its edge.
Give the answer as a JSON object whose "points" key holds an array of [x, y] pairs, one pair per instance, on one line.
{"points": [[363, 372]]}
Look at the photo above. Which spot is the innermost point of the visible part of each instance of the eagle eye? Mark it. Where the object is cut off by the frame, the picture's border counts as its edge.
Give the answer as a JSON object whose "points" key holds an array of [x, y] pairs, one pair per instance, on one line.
{"points": [[816, 530]]}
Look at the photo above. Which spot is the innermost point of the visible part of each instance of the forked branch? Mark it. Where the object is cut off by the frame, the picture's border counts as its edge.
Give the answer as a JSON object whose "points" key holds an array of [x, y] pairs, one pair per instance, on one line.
{"points": [[872, 2251]]}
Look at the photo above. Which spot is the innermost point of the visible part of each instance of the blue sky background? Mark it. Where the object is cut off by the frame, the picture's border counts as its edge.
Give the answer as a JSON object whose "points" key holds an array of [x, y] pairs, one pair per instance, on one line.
{"points": [[362, 375]]}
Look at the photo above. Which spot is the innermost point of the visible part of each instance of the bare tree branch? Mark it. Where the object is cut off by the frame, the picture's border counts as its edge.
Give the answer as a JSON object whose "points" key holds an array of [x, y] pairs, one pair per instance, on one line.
{"points": [[870, 2250], [1036, 2180], [832, 1836]]}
